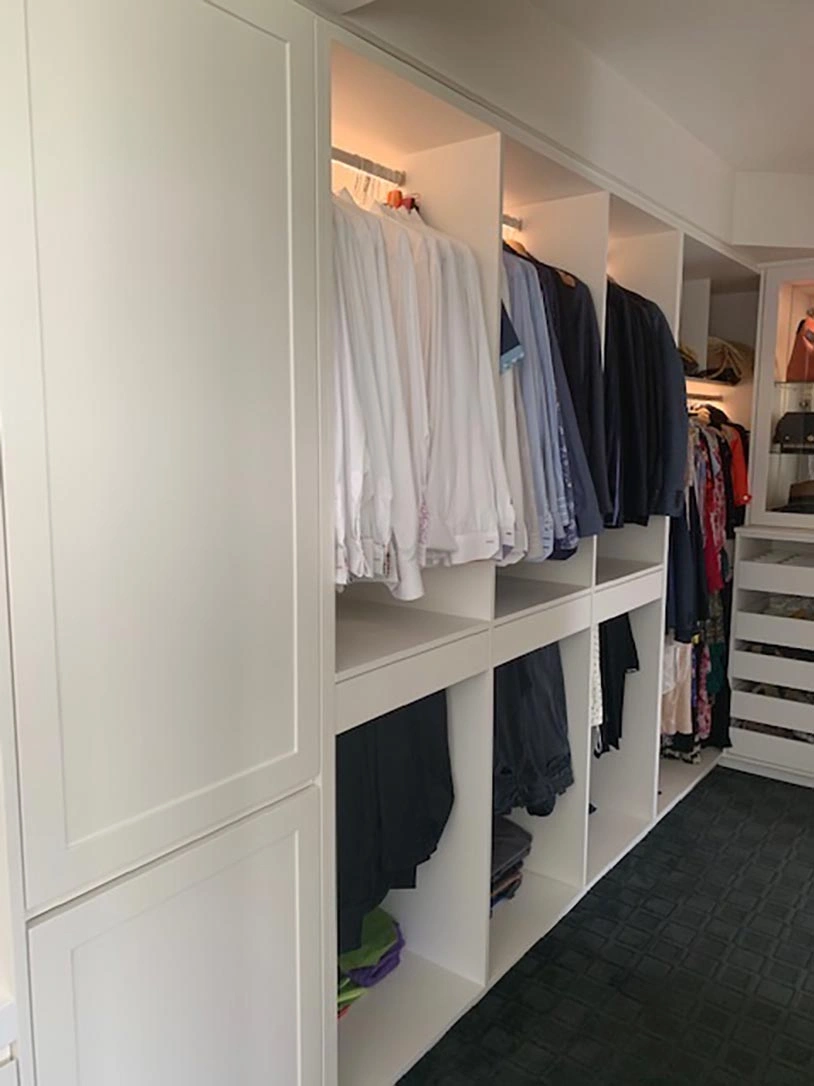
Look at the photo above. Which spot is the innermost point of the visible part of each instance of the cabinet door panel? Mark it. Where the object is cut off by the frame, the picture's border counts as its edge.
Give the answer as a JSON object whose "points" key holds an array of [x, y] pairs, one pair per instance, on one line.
{"points": [[160, 429], [204, 969]]}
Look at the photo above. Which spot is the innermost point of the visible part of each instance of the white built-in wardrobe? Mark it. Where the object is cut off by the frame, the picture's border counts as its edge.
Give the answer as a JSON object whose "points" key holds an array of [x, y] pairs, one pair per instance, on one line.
{"points": [[175, 665]]}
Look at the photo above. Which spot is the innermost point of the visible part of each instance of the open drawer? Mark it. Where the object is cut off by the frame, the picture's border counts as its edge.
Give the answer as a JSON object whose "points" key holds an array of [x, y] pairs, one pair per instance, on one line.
{"points": [[775, 751], [788, 577], [763, 667], [748, 703], [773, 630]]}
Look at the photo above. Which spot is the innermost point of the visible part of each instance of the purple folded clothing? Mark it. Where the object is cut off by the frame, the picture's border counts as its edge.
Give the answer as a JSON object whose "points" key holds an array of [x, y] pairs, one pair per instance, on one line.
{"points": [[372, 974]]}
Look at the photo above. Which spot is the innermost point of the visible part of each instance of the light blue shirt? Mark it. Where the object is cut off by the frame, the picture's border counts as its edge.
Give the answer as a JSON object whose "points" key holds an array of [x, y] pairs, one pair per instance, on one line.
{"points": [[550, 465]]}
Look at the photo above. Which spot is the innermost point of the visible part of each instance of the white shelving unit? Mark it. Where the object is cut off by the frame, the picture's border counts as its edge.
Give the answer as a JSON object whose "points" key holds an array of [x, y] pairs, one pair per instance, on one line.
{"points": [[469, 170], [719, 298], [174, 665], [760, 678]]}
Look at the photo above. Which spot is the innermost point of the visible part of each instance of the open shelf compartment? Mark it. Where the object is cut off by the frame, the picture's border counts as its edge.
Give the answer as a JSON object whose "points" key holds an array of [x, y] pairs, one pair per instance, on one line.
{"points": [[623, 782], [444, 963], [554, 871], [381, 1035]]}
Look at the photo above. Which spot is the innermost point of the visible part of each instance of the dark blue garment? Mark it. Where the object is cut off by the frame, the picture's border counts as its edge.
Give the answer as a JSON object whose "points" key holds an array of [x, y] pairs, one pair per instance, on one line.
{"points": [[532, 752], [674, 418], [645, 410], [511, 349], [573, 317], [586, 506], [687, 595], [589, 517]]}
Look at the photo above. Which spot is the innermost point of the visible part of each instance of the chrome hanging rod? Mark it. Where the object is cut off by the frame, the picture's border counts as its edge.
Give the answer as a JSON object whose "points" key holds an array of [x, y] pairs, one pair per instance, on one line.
{"points": [[396, 177], [511, 221]]}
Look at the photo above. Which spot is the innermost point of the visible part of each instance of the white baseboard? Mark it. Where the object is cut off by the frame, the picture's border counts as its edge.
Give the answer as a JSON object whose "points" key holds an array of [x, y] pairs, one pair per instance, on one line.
{"points": [[762, 769]]}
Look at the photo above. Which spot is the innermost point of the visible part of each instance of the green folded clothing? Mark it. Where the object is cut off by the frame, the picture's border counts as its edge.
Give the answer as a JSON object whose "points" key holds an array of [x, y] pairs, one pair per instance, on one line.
{"points": [[349, 991], [379, 934]]}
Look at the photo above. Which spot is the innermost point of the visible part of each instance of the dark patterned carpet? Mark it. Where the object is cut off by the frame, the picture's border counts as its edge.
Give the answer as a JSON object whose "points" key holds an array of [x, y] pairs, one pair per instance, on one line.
{"points": [[691, 962]]}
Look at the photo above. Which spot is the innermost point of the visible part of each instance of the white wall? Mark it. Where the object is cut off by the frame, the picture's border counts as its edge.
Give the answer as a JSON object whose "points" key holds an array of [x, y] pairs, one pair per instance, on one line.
{"points": [[511, 56], [733, 316], [774, 209]]}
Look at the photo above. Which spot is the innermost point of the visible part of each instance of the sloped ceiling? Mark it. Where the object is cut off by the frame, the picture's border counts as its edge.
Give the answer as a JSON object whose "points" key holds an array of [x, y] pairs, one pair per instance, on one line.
{"points": [[735, 73]]}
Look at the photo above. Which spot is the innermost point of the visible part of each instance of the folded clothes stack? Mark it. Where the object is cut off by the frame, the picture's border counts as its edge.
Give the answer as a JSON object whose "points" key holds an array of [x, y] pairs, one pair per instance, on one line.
{"points": [[376, 957], [510, 846]]}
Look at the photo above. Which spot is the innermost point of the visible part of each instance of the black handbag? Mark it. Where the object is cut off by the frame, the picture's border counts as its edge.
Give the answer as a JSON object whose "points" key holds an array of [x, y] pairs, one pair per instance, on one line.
{"points": [[795, 432]]}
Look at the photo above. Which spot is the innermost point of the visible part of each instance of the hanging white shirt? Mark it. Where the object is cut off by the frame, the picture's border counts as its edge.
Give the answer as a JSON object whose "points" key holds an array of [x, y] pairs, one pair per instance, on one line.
{"points": [[370, 307], [463, 493]]}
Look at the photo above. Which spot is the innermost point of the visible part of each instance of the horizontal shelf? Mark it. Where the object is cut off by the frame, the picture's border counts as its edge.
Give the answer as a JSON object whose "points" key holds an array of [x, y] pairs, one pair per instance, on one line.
{"points": [[677, 779], [620, 596], [763, 667], [787, 454], [372, 635], [390, 1027], [371, 693], [779, 712], [518, 924], [619, 570], [782, 577], [518, 596], [711, 381], [611, 834], [794, 384], [773, 630], [532, 630]]}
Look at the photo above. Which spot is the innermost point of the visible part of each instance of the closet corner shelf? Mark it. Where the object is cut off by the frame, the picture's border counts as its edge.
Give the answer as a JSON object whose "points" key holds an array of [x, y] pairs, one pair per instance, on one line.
{"points": [[405, 1014], [518, 924], [677, 779], [611, 834]]}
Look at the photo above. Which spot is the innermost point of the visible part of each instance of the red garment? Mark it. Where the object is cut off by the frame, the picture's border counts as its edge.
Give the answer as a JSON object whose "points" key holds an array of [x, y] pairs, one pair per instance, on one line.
{"points": [[740, 474], [712, 532]]}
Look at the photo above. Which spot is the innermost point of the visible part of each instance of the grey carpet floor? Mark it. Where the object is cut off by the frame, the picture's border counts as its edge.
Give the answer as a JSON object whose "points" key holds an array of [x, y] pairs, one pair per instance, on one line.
{"points": [[692, 962]]}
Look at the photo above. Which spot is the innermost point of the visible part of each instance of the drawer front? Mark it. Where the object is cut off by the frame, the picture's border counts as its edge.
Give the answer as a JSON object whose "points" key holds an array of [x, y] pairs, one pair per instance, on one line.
{"points": [[773, 750], [764, 668], [779, 712], [770, 577], [771, 630]]}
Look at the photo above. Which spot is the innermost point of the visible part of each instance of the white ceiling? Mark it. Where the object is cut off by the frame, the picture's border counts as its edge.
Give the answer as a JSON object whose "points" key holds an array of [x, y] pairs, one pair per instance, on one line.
{"points": [[738, 74]]}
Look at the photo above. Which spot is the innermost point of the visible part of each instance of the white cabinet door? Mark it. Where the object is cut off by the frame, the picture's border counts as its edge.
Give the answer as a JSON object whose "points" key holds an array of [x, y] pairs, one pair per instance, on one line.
{"points": [[158, 391], [200, 971]]}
